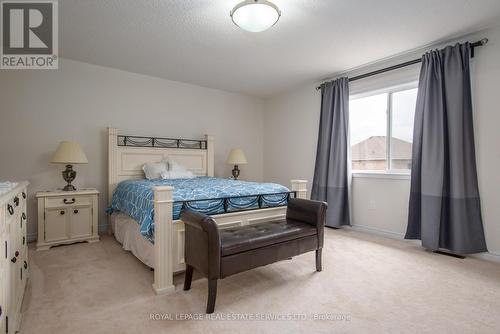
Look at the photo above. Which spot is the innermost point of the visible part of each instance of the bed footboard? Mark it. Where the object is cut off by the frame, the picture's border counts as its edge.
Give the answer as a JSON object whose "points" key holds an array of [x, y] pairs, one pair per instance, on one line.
{"points": [[163, 275], [168, 246], [300, 188]]}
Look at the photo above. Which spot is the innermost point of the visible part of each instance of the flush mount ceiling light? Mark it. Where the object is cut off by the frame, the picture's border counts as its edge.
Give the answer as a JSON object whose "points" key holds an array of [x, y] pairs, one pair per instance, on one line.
{"points": [[255, 15]]}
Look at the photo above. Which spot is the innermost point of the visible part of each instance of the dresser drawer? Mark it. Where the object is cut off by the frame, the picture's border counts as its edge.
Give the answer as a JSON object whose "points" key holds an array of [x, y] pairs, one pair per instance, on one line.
{"points": [[14, 206], [2, 219], [22, 198], [59, 202], [11, 213]]}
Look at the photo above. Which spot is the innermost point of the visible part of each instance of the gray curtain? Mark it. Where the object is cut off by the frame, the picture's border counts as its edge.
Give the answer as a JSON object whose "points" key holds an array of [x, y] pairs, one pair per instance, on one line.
{"points": [[444, 208], [331, 170]]}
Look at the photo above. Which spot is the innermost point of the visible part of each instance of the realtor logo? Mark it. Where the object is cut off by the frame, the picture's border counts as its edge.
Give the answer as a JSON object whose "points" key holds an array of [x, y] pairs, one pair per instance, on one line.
{"points": [[29, 35]]}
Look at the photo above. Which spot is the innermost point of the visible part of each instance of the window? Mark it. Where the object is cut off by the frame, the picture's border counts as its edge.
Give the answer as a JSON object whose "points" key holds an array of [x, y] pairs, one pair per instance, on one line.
{"points": [[381, 130]]}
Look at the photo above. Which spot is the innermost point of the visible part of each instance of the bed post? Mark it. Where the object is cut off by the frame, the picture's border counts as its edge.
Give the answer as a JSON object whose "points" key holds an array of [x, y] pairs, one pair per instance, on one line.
{"points": [[210, 155], [300, 186], [163, 206], [112, 177], [112, 144]]}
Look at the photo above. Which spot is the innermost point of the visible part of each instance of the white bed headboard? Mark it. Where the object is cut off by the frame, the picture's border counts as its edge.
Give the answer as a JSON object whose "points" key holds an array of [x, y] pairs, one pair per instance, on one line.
{"points": [[127, 154]]}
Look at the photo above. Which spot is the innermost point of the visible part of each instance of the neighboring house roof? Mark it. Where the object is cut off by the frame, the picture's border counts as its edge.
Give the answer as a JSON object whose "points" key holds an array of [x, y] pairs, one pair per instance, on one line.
{"points": [[374, 148]]}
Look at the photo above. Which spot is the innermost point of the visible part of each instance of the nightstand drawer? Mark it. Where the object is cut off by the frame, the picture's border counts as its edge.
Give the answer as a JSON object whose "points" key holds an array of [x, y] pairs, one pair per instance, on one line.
{"points": [[59, 202]]}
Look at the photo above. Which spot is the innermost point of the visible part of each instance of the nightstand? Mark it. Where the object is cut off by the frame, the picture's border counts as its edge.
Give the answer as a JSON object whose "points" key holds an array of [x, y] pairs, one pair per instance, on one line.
{"points": [[66, 217]]}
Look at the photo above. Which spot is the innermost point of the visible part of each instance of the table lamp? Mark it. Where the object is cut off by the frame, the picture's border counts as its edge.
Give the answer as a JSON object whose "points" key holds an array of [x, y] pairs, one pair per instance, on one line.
{"points": [[236, 157], [69, 153]]}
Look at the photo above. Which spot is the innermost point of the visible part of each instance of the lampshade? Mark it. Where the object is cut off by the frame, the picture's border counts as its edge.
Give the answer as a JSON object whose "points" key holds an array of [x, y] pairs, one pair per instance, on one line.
{"points": [[236, 157], [255, 15], [69, 152]]}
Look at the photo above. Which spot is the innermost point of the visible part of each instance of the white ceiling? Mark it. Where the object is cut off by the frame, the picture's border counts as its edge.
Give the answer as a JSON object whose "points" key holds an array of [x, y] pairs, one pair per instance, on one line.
{"points": [[195, 41]]}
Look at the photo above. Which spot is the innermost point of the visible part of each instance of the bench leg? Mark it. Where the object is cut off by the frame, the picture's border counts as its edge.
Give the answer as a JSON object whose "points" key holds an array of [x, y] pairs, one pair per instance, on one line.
{"points": [[212, 294], [188, 277], [318, 259]]}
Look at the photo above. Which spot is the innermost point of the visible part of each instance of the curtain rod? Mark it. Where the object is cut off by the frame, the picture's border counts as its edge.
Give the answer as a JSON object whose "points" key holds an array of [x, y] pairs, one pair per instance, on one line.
{"points": [[408, 63]]}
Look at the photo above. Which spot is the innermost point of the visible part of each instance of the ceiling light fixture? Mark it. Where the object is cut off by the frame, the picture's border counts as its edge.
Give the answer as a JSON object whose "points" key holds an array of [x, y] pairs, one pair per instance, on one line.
{"points": [[255, 15]]}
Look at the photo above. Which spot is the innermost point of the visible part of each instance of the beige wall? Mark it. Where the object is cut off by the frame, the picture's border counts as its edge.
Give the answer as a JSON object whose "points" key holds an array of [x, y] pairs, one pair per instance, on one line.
{"points": [[291, 130], [291, 123], [77, 102], [486, 88], [380, 204]]}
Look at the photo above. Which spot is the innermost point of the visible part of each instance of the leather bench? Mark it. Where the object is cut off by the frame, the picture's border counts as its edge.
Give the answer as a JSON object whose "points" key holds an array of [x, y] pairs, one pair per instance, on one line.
{"points": [[219, 253]]}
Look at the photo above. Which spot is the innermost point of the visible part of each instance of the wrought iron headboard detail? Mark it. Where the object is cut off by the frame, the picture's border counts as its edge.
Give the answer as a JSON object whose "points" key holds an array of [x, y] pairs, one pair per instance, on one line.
{"points": [[137, 141], [258, 202]]}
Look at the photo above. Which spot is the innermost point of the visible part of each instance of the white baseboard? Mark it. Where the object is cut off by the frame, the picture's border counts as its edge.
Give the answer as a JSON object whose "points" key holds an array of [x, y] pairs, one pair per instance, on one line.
{"points": [[377, 231], [490, 256]]}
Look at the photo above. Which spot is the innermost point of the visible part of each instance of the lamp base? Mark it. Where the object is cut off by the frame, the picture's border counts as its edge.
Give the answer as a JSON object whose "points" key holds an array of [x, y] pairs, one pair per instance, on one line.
{"points": [[69, 187], [236, 172], [69, 175]]}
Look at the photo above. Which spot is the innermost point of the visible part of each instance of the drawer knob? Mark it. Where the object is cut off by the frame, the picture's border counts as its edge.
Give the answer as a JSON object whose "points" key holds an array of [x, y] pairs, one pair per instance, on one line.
{"points": [[16, 201], [61, 213], [14, 259], [75, 211], [16, 253], [10, 209], [24, 195], [25, 265], [23, 216], [69, 202]]}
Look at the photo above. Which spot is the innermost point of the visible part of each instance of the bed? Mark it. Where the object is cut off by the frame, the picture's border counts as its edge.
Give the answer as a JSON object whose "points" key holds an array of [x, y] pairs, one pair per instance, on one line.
{"points": [[144, 214], [132, 205]]}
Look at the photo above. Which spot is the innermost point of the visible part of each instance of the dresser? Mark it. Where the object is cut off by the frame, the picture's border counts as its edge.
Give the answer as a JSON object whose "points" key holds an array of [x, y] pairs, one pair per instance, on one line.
{"points": [[67, 217], [14, 255]]}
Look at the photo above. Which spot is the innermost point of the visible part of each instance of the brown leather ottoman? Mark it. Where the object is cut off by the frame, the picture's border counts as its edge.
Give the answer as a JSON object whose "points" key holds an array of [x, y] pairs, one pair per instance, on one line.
{"points": [[220, 253]]}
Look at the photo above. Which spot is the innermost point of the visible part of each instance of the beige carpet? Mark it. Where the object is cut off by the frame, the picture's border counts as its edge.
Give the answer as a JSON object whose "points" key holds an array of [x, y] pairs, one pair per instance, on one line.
{"points": [[369, 285]]}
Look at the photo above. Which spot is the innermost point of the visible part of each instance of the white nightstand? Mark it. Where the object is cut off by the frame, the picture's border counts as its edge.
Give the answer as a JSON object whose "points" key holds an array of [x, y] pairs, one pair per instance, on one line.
{"points": [[66, 217]]}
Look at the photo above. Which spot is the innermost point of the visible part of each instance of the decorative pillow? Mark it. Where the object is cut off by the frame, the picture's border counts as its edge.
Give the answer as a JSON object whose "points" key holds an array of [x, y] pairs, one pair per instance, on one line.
{"points": [[166, 161], [174, 166], [177, 175], [176, 171], [153, 170]]}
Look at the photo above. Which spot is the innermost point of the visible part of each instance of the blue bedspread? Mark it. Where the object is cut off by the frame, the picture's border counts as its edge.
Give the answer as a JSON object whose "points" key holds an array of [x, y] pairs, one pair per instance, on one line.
{"points": [[135, 197]]}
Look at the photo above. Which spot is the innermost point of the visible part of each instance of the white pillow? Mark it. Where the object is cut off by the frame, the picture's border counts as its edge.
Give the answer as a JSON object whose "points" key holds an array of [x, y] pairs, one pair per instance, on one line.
{"points": [[177, 175], [153, 170], [176, 171], [174, 166], [166, 161]]}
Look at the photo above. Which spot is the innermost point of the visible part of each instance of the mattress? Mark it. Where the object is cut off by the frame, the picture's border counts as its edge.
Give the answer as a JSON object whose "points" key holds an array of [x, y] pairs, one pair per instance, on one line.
{"points": [[207, 195]]}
